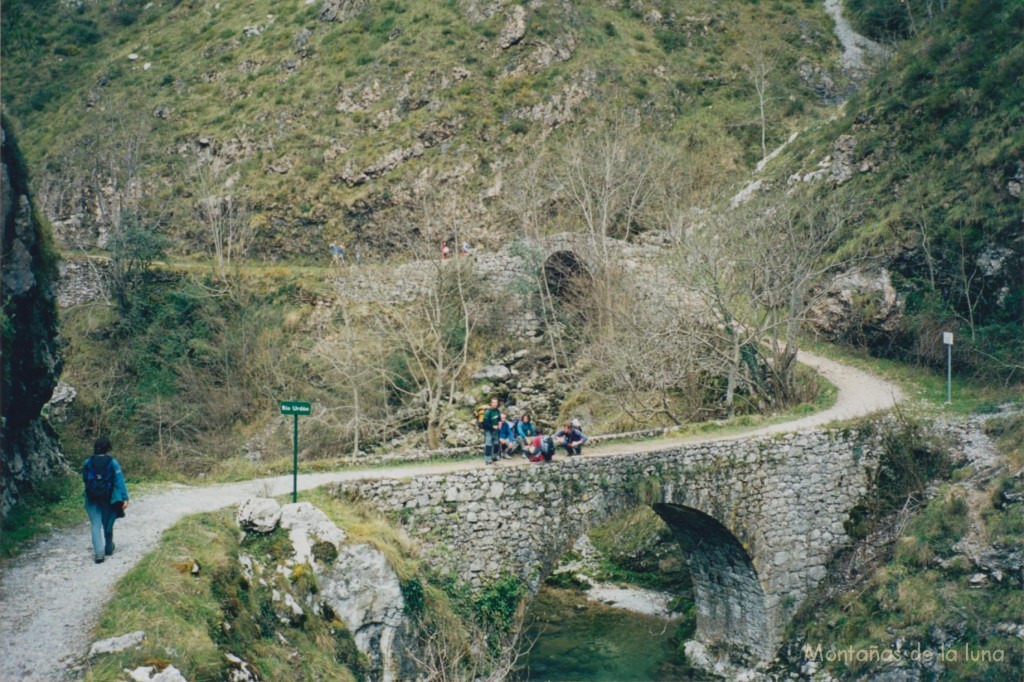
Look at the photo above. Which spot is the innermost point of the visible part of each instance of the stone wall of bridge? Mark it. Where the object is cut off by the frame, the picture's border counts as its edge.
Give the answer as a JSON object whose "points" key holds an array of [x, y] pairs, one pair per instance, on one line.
{"points": [[756, 519]]}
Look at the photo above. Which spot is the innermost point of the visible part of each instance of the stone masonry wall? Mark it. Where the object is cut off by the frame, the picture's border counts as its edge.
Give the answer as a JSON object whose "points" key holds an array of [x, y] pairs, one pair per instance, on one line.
{"points": [[784, 499]]}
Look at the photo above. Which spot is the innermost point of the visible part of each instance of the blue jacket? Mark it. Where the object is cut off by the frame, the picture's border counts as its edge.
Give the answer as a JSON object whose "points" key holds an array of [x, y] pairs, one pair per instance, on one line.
{"points": [[526, 430], [506, 432], [120, 493]]}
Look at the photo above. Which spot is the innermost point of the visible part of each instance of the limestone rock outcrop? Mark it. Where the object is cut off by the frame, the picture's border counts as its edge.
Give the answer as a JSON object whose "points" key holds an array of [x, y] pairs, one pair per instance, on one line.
{"points": [[363, 590], [258, 515], [357, 585], [30, 351]]}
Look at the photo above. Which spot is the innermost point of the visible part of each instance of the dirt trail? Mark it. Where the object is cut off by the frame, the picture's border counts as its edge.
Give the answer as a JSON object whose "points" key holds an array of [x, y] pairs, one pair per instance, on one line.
{"points": [[52, 595], [857, 49]]}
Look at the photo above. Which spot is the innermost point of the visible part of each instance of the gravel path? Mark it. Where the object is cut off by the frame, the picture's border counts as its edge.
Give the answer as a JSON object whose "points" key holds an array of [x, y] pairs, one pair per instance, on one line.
{"points": [[855, 46], [52, 595]]}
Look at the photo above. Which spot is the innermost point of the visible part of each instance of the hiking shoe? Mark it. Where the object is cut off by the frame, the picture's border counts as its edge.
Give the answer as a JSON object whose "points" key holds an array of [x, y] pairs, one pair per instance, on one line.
{"points": [[99, 560]]}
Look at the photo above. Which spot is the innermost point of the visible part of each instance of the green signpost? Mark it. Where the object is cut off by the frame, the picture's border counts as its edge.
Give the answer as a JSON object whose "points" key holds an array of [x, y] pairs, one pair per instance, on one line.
{"points": [[295, 408]]}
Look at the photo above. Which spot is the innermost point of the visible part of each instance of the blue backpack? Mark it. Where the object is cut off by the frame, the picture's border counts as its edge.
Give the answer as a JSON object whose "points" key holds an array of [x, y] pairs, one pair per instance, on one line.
{"points": [[98, 475]]}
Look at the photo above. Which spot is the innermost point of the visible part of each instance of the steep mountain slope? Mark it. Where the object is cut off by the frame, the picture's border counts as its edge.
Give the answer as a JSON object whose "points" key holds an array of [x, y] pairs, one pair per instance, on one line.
{"points": [[323, 117], [932, 149]]}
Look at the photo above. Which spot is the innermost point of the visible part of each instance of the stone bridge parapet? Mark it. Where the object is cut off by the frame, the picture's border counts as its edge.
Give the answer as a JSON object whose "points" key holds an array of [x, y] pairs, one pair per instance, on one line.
{"points": [[757, 520]]}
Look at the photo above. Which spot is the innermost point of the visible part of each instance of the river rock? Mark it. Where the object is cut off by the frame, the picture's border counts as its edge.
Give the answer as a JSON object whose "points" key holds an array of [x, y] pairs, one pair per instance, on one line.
{"points": [[258, 515]]}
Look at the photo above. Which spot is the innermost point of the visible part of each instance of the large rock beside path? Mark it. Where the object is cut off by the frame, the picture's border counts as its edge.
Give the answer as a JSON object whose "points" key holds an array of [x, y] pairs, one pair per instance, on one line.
{"points": [[258, 515]]}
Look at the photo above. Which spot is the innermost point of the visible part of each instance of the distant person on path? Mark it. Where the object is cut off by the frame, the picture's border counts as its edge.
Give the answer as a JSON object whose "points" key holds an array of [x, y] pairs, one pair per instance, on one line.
{"points": [[490, 424], [525, 432], [464, 251], [334, 252], [571, 438], [445, 251], [341, 252], [106, 496]]}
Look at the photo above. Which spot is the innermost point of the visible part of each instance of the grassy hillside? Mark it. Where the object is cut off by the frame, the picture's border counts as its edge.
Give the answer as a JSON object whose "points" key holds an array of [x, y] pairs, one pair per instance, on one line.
{"points": [[302, 118], [943, 585], [937, 165]]}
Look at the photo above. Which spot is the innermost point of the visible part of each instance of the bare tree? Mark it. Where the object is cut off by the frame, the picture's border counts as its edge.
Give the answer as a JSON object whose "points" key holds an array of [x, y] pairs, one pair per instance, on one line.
{"points": [[353, 371], [424, 346], [656, 363], [526, 195], [757, 271], [469, 651], [609, 176], [757, 68], [225, 219]]}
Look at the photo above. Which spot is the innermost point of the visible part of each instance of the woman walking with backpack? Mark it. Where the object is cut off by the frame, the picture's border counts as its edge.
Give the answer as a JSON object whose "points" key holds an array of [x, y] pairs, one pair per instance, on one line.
{"points": [[106, 496]]}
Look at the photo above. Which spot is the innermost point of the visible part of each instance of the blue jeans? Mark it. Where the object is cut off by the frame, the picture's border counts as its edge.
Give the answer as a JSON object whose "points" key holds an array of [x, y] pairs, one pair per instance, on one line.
{"points": [[102, 517]]}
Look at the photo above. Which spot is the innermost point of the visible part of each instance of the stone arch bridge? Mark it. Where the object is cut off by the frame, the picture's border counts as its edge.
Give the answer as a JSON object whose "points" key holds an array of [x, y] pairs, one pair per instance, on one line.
{"points": [[757, 520]]}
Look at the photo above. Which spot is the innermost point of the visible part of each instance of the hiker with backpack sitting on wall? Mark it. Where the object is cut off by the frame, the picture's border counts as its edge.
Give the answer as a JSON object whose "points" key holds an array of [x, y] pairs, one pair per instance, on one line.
{"points": [[106, 496], [541, 448]]}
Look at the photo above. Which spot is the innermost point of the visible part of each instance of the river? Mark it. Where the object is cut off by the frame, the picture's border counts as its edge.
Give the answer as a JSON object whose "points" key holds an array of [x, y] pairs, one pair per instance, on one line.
{"points": [[579, 639]]}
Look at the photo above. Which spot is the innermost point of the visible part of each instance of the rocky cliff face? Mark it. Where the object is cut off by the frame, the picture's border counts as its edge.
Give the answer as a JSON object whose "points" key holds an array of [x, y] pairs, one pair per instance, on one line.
{"points": [[31, 350]]}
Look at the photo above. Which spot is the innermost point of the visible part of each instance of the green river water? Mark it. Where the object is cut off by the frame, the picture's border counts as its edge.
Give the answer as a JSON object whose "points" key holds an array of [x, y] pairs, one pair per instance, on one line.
{"points": [[577, 639]]}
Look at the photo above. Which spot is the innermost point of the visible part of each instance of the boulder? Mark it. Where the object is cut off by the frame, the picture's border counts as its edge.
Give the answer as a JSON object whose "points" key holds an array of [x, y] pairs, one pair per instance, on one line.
{"points": [[150, 673], [258, 515], [240, 670], [493, 373], [307, 527], [116, 644], [514, 29]]}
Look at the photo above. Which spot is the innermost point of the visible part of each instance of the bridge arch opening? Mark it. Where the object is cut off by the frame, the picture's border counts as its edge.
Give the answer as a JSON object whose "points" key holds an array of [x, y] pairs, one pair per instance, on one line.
{"points": [[566, 276], [732, 609]]}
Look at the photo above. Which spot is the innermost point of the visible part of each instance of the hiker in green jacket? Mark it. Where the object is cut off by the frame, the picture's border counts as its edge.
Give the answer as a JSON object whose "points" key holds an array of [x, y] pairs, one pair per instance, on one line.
{"points": [[490, 424]]}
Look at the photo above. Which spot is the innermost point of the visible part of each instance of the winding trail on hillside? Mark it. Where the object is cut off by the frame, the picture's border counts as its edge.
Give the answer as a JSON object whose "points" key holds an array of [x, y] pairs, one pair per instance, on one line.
{"points": [[52, 595], [856, 47]]}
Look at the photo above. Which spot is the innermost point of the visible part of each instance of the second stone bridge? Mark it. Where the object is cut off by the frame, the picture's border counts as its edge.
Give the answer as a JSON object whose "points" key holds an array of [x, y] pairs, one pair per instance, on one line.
{"points": [[756, 519]]}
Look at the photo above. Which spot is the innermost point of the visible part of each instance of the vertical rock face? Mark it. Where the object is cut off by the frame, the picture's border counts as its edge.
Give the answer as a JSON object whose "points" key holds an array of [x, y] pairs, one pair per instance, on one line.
{"points": [[30, 350]]}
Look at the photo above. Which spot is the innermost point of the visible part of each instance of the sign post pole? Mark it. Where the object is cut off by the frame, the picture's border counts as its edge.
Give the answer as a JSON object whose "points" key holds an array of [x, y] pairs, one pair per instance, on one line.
{"points": [[947, 338], [295, 408], [295, 458]]}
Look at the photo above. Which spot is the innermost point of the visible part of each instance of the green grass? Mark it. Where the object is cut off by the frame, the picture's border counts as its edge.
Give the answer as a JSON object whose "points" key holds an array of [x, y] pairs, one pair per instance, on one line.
{"points": [[184, 616], [925, 387], [915, 599], [55, 503]]}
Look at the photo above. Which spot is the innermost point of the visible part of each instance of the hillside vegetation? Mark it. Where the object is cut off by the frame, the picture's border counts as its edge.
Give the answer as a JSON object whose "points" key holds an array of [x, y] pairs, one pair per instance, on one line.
{"points": [[249, 133], [329, 120], [935, 144]]}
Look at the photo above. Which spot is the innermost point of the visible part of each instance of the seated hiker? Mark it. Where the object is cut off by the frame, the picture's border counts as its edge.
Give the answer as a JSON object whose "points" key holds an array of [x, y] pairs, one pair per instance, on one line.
{"points": [[541, 448], [506, 438], [524, 432], [571, 438]]}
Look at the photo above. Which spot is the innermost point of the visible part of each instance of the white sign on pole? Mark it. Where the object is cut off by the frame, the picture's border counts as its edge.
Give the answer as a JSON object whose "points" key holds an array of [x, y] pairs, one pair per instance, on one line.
{"points": [[947, 338]]}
